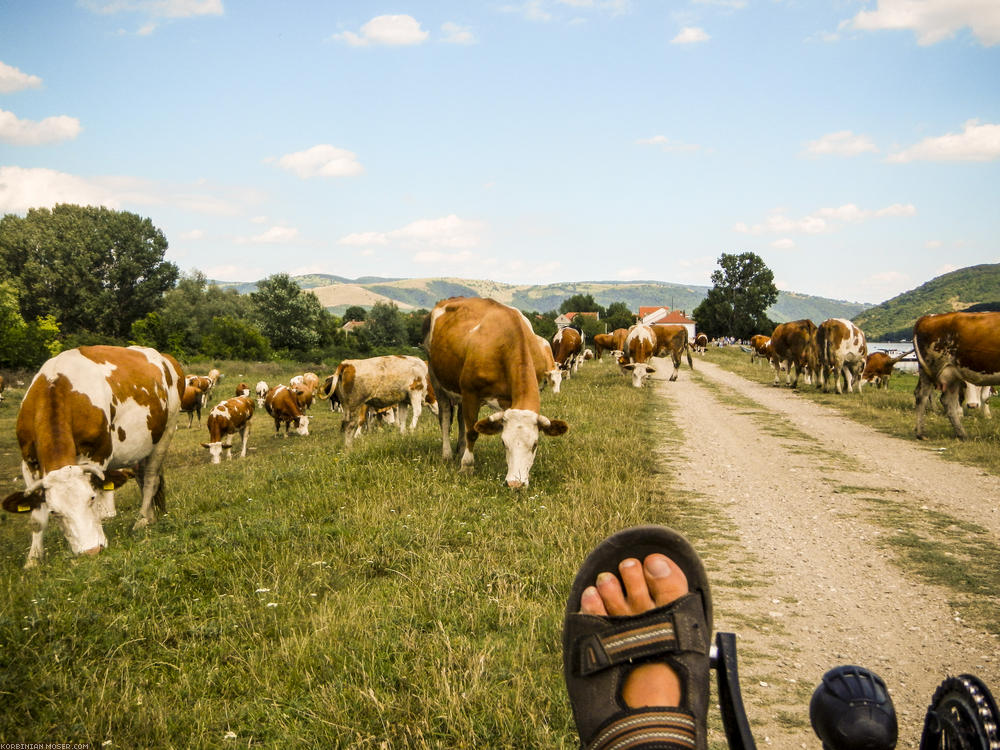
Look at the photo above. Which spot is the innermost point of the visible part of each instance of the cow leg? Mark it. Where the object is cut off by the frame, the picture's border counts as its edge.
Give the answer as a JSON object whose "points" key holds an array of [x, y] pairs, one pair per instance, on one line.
{"points": [[922, 393], [350, 425], [245, 437], [39, 520], [445, 411], [675, 357], [404, 408], [470, 413], [953, 407], [227, 447]]}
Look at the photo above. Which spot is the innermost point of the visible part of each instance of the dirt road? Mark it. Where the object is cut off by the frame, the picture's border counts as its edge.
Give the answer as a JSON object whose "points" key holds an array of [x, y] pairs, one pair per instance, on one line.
{"points": [[807, 585]]}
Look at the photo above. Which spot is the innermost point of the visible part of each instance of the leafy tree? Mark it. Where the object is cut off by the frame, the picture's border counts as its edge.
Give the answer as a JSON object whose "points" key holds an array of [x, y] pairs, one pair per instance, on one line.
{"points": [[290, 318], [189, 308], [354, 312], [743, 288], [93, 268], [414, 322], [581, 303], [618, 315], [385, 326], [544, 324], [23, 344], [229, 338]]}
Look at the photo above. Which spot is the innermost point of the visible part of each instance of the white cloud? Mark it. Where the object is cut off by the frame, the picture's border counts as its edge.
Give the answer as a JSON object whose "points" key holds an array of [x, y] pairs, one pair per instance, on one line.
{"points": [[933, 20], [31, 133], [840, 143], [733, 4], [933, 244], [447, 232], [666, 144], [323, 160], [690, 35], [12, 79], [823, 220], [975, 143], [194, 234], [784, 243], [21, 189], [390, 30], [277, 235], [24, 188], [235, 273], [455, 34], [146, 30], [158, 8], [531, 10]]}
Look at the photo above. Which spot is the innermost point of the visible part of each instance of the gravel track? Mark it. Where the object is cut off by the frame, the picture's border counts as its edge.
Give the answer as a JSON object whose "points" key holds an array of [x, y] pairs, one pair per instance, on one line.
{"points": [[807, 586]]}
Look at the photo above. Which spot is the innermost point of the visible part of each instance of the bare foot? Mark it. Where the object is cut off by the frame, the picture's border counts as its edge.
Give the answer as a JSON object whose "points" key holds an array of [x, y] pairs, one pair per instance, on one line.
{"points": [[655, 582]]}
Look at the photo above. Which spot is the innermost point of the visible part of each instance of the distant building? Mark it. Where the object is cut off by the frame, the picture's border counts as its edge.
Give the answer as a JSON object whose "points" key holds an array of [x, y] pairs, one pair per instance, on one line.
{"points": [[665, 316], [566, 319], [352, 325]]}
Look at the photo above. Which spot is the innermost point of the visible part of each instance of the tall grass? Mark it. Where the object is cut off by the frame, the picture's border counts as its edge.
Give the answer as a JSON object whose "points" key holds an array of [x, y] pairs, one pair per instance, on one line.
{"points": [[307, 597]]}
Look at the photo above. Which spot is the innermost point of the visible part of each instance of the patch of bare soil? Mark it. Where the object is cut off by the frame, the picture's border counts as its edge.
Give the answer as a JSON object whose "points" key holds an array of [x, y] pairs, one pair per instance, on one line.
{"points": [[807, 586]]}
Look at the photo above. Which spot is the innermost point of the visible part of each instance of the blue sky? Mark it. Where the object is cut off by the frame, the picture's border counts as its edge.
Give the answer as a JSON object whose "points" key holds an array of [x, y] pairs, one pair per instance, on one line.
{"points": [[855, 146]]}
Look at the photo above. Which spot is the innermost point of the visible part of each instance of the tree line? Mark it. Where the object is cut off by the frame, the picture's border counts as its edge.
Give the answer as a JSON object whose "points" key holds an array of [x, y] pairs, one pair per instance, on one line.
{"points": [[75, 275]]}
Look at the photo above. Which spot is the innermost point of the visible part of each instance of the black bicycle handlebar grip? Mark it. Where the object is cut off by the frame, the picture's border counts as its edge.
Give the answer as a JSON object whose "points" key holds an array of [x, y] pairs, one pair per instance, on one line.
{"points": [[851, 710]]}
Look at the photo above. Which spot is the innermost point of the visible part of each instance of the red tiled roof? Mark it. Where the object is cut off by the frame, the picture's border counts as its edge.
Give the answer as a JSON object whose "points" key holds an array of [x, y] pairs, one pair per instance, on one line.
{"points": [[571, 315], [675, 317]]}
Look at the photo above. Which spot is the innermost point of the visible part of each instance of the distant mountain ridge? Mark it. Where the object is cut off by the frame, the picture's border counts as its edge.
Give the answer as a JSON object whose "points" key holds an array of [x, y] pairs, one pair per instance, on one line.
{"points": [[973, 287], [337, 293]]}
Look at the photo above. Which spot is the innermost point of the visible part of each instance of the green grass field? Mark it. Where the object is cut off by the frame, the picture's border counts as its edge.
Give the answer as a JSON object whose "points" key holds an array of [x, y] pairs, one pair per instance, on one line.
{"points": [[306, 597]]}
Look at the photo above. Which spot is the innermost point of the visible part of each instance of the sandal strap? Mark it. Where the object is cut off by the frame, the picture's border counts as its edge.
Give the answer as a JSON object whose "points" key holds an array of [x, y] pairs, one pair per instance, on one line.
{"points": [[678, 626], [648, 729]]}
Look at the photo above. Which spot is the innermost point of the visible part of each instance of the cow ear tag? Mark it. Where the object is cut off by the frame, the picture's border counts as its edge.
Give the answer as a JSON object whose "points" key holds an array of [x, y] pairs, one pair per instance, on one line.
{"points": [[23, 508], [108, 486]]}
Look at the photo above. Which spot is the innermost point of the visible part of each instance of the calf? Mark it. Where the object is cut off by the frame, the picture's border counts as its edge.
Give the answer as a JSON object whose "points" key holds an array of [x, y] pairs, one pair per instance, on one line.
{"points": [[878, 369], [89, 415], [759, 348], [483, 351], [701, 343], [304, 386], [228, 418], [283, 407]]}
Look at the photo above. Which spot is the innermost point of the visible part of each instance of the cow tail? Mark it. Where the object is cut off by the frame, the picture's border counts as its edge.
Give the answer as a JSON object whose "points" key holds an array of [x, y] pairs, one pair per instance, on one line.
{"points": [[687, 351], [160, 498]]}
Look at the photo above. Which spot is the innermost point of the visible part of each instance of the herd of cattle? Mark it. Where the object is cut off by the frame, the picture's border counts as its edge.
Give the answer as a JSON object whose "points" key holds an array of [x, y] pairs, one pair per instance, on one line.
{"points": [[958, 354], [95, 416]]}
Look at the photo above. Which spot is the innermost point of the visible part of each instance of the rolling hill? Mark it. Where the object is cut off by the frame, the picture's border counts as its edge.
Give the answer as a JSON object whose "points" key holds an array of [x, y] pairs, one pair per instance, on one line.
{"points": [[337, 294], [892, 320]]}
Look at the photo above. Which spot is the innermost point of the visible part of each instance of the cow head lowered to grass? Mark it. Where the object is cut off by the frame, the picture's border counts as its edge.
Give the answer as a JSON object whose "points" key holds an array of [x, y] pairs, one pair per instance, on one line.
{"points": [[481, 351], [89, 414]]}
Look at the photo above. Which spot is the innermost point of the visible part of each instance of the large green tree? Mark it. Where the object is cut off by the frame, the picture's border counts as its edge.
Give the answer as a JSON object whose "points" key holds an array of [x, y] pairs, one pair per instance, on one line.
{"points": [[93, 268], [290, 318], [743, 288], [385, 326], [618, 315], [581, 303]]}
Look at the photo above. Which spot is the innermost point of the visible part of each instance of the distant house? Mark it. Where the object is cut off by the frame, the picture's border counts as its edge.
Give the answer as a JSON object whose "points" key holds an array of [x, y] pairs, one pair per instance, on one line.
{"points": [[665, 316], [566, 319], [352, 325]]}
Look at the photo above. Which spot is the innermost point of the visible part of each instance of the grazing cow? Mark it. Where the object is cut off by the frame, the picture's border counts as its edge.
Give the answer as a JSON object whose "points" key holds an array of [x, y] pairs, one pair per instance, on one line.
{"points": [[672, 340], [242, 389], [377, 383], [304, 387], [225, 420], [878, 368], [261, 390], [3, 385], [842, 350], [758, 347], [952, 349], [794, 345], [701, 343], [192, 400], [603, 342], [545, 365], [483, 351], [640, 344], [89, 416], [281, 404], [567, 350]]}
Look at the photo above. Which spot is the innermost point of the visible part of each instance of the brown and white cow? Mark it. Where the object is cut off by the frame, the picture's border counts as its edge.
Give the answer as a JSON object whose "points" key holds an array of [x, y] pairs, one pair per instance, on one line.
{"points": [[281, 403], [701, 343], [640, 345], [978, 397], [545, 365], [3, 386], [482, 351], [603, 342], [192, 401], [842, 350], [242, 389], [673, 341], [794, 346], [758, 347], [261, 390], [394, 381], [878, 368], [304, 386], [226, 419], [567, 350], [952, 349], [89, 416]]}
